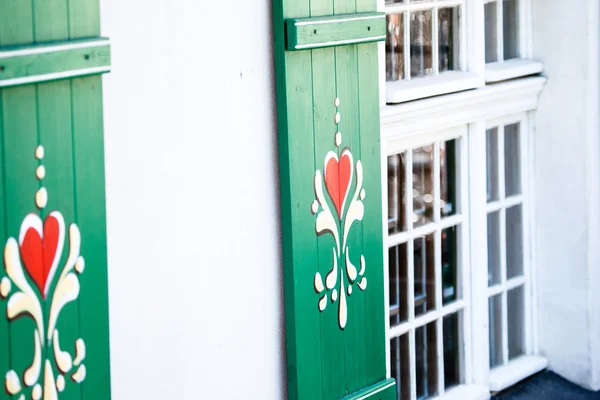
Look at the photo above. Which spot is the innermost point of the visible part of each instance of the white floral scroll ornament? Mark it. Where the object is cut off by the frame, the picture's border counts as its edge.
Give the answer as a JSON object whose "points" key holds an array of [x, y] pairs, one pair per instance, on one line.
{"points": [[337, 178], [38, 251]]}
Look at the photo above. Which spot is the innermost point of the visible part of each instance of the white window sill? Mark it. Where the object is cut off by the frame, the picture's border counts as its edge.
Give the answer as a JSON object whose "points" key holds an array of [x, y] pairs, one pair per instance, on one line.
{"points": [[446, 82], [509, 69], [515, 371], [466, 392]]}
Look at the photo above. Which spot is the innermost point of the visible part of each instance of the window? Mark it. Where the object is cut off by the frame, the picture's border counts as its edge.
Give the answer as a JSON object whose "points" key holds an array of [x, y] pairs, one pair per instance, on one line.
{"points": [[427, 243], [427, 49], [507, 38], [510, 312]]}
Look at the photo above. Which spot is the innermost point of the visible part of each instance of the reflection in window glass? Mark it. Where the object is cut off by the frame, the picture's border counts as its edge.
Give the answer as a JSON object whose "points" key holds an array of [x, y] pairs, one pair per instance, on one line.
{"points": [[451, 350], [493, 248], [510, 29], [424, 267], [398, 269], [514, 241], [397, 193], [446, 29], [421, 44], [400, 365], [516, 323], [426, 360], [512, 159], [491, 32], [495, 329], [491, 140], [394, 47], [449, 265], [448, 181], [422, 185]]}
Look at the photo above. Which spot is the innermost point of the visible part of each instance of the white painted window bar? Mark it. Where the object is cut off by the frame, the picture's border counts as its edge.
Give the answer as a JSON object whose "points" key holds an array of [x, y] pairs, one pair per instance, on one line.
{"points": [[508, 38], [509, 261], [426, 49], [428, 277]]}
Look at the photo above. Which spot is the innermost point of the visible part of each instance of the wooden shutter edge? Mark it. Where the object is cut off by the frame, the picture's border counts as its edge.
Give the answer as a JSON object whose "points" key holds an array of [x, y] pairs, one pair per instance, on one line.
{"points": [[384, 390], [45, 62]]}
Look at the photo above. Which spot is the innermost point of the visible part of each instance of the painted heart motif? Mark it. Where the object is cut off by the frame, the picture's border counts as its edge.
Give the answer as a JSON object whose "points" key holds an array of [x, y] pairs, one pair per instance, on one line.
{"points": [[338, 176], [41, 248]]}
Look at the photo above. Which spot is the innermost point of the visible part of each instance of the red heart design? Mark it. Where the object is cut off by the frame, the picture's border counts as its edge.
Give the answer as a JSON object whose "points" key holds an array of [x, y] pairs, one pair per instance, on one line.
{"points": [[338, 175], [40, 249]]}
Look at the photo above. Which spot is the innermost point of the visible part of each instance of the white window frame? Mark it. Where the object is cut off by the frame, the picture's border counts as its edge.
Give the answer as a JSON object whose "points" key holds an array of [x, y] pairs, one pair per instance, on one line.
{"points": [[523, 65], [408, 122], [472, 66]]}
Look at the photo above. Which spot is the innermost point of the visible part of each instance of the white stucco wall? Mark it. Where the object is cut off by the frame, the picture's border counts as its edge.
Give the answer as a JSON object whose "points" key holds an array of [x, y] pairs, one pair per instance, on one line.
{"points": [[193, 227], [567, 188]]}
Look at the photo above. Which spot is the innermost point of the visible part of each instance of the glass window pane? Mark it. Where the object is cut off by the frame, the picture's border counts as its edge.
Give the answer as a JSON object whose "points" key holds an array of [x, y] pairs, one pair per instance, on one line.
{"points": [[516, 323], [421, 63], [447, 31], [422, 185], [449, 265], [452, 367], [492, 164], [394, 47], [389, 2], [448, 178], [426, 360], [510, 29], [512, 159], [398, 266], [424, 274], [514, 241], [491, 32], [397, 193], [493, 248], [400, 365], [495, 329]]}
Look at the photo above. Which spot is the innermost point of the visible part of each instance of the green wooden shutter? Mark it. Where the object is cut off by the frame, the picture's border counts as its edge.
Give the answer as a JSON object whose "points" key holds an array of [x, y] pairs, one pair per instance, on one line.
{"points": [[53, 284], [328, 109]]}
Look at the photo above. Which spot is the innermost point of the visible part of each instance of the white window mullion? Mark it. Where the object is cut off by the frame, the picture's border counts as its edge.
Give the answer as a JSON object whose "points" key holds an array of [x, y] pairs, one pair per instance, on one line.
{"points": [[440, 355], [435, 54], [407, 72], [413, 364], [409, 226], [500, 29], [527, 295]]}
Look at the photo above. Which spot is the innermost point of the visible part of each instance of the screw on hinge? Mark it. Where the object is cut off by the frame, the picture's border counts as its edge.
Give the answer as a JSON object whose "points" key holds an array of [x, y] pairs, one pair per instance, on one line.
{"points": [[87, 56], [2, 68], [315, 31], [369, 28]]}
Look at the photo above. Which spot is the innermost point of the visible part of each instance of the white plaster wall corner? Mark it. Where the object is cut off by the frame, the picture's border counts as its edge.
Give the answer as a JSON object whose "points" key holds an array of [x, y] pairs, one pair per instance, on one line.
{"points": [[566, 173]]}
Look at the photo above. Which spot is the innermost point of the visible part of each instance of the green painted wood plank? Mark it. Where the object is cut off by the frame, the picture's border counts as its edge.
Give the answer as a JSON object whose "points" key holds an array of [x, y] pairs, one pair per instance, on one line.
{"points": [[84, 18], [40, 63], [91, 219], [354, 334], [5, 355], [383, 390], [20, 141], [50, 20], [338, 30], [323, 113], [54, 126], [16, 22], [372, 232], [302, 317]]}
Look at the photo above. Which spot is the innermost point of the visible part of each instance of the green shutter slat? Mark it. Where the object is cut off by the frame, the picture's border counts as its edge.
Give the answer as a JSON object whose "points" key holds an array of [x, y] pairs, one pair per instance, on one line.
{"points": [[19, 163], [16, 22], [84, 18], [338, 30], [329, 353], [5, 355], [88, 147], [50, 20], [40, 63]]}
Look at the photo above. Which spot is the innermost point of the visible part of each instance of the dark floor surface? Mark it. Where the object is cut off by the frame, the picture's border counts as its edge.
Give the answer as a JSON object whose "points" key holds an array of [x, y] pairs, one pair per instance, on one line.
{"points": [[546, 386]]}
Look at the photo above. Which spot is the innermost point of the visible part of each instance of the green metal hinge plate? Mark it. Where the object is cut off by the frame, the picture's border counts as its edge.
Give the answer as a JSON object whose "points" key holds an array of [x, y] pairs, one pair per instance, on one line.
{"points": [[45, 62], [335, 30]]}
